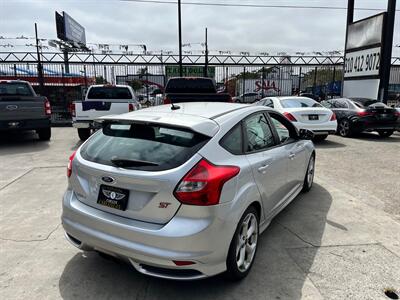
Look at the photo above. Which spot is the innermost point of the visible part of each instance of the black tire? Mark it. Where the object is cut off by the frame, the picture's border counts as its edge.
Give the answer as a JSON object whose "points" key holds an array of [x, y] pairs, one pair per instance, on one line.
{"points": [[84, 133], [309, 180], [344, 128], [233, 272], [44, 134], [319, 138], [385, 133]]}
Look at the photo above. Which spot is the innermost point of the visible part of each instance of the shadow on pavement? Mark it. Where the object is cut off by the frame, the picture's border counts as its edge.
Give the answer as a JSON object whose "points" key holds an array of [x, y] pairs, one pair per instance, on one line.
{"points": [[374, 137], [17, 142], [275, 274], [328, 144]]}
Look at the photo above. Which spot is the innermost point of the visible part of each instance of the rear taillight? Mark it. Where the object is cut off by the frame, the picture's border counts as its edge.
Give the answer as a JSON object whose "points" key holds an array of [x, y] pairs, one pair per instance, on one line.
{"points": [[69, 166], [167, 100], [290, 117], [203, 184], [333, 118], [72, 109], [131, 107], [364, 113], [47, 108], [397, 114]]}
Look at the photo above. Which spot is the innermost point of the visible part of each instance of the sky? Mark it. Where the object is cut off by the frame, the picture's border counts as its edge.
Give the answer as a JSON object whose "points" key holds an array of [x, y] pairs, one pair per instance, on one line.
{"points": [[236, 29]]}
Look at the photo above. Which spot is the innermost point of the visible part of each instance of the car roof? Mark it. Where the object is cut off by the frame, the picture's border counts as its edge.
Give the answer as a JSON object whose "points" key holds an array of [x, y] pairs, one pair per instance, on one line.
{"points": [[13, 81], [109, 85], [197, 116]]}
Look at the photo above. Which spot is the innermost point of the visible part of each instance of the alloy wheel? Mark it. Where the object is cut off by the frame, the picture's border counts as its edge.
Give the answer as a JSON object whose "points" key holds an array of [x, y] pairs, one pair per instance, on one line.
{"points": [[310, 172], [247, 242], [344, 128]]}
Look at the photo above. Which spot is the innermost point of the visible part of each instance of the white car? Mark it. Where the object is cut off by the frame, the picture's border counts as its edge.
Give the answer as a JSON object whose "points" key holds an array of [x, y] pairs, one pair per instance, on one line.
{"points": [[304, 113]]}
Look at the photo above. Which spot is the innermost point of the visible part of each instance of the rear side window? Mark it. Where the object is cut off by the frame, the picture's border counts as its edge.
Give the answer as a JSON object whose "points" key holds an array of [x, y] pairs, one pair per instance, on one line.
{"points": [[259, 134], [233, 140], [142, 147], [190, 85], [109, 93], [15, 89]]}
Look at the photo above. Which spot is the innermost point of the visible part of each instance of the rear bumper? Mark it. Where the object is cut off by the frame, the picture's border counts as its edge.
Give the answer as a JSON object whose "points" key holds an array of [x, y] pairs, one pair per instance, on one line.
{"points": [[152, 248], [319, 129], [371, 126], [10, 125]]}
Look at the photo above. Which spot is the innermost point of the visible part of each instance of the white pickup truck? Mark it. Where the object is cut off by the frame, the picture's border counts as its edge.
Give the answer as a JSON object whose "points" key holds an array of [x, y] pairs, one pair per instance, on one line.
{"points": [[101, 100]]}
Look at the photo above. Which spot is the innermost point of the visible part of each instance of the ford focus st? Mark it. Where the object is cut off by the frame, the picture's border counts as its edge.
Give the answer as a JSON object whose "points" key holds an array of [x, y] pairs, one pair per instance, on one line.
{"points": [[183, 192]]}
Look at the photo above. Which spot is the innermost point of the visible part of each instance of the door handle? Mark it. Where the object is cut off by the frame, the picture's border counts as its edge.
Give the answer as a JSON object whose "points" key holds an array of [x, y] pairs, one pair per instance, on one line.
{"points": [[263, 169], [292, 156]]}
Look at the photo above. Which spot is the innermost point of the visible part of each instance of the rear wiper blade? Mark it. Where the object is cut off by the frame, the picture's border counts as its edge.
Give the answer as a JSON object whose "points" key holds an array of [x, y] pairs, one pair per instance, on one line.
{"points": [[132, 163]]}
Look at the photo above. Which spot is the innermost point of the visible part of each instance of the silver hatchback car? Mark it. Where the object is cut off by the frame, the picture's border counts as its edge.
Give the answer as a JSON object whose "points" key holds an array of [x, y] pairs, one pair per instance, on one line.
{"points": [[183, 192]]}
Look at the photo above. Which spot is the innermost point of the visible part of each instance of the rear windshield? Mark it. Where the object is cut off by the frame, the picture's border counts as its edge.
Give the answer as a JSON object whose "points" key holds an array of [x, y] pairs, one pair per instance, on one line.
{"points": [[190, 85], [142, 147], [15, 89], [299, 102], [109, 93]]}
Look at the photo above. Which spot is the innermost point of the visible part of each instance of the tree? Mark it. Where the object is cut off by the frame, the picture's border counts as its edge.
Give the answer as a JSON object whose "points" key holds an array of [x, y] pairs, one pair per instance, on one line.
{"points": [[136, 84], [100, 80]]}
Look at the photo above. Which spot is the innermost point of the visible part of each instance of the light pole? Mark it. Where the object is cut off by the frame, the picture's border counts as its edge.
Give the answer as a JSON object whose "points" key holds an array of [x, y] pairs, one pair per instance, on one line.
{"points": [[39, 65], [180, 38]]}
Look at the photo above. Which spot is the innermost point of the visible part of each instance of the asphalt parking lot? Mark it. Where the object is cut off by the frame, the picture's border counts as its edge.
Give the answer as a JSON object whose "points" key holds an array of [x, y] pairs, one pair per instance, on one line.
{"points": [[340, 241]]}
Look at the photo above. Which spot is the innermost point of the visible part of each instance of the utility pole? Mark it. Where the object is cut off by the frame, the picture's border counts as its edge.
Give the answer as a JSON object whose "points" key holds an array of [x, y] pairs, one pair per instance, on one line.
{"points": [[39, 64], [180, 38], [387, 51], [206, 57]]}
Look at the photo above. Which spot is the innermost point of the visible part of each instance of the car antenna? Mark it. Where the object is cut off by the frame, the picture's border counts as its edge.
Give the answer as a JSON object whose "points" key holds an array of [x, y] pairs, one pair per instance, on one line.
{"points": [[174, 107]]}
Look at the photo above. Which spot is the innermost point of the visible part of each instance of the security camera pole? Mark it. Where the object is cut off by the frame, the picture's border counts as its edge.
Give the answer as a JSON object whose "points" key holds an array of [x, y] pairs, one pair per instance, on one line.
{"points": [[180, 38]]}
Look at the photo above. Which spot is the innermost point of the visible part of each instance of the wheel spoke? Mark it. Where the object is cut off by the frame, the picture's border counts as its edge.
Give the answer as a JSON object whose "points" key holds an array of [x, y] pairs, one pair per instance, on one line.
{"points": [[242, 255]]}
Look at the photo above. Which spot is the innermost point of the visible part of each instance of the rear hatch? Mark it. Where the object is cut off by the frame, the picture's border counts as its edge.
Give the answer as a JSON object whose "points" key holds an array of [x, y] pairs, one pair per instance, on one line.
{"points": [[131, 170]]}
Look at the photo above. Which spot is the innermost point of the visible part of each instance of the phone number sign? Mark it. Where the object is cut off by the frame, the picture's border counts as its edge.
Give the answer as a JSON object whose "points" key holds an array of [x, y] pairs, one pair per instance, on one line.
{"points": [[362, 63]]}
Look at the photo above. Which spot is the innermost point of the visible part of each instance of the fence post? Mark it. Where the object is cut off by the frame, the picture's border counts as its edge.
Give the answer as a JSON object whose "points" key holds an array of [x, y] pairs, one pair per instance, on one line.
{"points": [[333, 80], [15, 70], [84, 73], [244, 85], [105, 75], [262, 83], [315, 81], [299, 89]]}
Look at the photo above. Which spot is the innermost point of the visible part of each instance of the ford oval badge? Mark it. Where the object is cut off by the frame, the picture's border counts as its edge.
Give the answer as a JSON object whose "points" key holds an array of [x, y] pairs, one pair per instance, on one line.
{"points": [[107, 179]]}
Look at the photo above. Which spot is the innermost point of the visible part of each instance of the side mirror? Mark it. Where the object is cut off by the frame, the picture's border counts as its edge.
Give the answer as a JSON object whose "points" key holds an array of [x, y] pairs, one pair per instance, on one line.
{"points": [[305, 134]]}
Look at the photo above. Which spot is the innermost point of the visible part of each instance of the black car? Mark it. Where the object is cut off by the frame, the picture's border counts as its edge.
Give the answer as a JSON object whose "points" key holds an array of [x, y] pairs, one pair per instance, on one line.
{"points": [[356, 115]]}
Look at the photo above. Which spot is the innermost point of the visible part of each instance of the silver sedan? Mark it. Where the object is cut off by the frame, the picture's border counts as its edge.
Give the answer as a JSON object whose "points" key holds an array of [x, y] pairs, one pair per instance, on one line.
{"points": [[183, 192]]}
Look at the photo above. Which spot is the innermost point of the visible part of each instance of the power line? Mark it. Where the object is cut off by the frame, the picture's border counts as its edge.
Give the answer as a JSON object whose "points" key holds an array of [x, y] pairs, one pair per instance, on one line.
{"points": [[254, 5]]}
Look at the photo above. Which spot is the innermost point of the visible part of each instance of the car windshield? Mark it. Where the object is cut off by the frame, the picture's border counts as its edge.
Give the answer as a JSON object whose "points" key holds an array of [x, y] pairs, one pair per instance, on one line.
{"points": [[299, 103], [362, 102], [15, 89], [109, 93], [142, 147]]}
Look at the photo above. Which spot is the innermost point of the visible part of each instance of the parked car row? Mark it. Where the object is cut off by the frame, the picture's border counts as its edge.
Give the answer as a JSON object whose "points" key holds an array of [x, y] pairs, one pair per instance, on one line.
{"points": [[346, 117]]}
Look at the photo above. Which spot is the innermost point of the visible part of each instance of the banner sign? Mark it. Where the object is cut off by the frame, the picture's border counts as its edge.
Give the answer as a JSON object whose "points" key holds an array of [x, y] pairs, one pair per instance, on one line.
{"points": [[69, 30], [363, 57], [191, 71]]}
